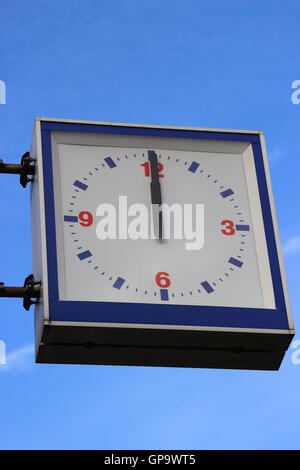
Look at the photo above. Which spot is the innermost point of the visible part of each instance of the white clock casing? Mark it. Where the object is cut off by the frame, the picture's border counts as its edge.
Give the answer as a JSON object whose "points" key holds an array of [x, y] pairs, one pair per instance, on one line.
{"points": [[231, 271]]}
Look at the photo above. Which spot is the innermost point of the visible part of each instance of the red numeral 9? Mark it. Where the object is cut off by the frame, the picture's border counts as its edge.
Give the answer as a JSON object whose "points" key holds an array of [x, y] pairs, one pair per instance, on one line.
{"points": [[229, 227], [86, 218], [162, 280]]}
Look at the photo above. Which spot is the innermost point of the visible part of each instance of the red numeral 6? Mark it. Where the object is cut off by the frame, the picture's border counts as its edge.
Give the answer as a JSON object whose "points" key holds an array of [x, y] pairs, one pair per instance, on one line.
{"points": [[162, 280]]}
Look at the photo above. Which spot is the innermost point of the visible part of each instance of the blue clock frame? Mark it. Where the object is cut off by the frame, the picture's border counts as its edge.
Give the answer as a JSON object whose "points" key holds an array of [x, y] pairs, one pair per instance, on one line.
{"points": [[149, 314]]}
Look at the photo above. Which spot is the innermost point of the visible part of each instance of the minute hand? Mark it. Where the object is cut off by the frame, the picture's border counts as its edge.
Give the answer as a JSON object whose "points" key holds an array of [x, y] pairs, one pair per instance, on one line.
{"points": [[155, 187]]}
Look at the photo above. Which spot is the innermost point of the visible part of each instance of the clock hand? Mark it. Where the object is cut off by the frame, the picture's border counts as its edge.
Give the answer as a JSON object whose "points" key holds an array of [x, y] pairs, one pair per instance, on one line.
{"points": [[155, 188]]}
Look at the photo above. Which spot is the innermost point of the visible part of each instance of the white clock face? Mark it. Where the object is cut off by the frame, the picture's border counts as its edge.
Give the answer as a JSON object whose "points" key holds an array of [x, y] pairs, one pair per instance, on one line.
{"points": [[224, 269]]}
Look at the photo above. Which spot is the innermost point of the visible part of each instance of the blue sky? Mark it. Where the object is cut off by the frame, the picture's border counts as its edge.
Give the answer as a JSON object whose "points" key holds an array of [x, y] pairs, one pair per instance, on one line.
{"points": [[195, 63]]}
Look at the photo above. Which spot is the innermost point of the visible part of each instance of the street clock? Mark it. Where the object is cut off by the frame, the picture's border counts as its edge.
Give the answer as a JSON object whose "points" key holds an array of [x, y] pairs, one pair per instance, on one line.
{"points": [[156, 246]]}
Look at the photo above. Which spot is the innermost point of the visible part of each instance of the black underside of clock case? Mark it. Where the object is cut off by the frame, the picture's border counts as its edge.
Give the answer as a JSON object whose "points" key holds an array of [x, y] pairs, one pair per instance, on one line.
{"points": [[161, 347]]}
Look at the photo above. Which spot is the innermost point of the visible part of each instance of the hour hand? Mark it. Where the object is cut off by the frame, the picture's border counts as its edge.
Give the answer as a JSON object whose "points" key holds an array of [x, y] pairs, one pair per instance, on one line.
{"points": [[155, 187]]}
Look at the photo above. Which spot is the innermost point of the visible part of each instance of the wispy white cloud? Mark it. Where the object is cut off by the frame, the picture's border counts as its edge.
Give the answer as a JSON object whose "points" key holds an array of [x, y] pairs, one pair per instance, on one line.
{"points": [[292, 246], [19, 359], [275, 154]]}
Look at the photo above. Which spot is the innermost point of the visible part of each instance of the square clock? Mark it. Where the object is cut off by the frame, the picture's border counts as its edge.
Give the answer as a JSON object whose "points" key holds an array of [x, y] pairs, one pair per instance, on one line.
{"points": [[156, 245]]}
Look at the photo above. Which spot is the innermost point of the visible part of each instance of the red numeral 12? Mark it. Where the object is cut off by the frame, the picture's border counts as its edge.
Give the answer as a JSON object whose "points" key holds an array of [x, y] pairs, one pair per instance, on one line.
{"points": [[147, 168]]}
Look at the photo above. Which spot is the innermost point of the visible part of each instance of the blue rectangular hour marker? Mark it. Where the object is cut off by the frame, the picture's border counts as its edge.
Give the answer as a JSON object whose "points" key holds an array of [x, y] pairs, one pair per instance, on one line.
{"points": [[80, 185], [110, 162], [84, 255], [119, 282], [244, 228], [70, 218], [235, 262], [193, 167], [150, 152], [207, 287], [227, 192], [164, 294]]}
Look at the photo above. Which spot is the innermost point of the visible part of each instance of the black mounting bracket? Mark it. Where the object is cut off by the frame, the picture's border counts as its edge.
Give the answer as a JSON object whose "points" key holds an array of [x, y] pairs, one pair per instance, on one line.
{"points": [[31, 291], [26, 168], [28, 292], [31, 288]]}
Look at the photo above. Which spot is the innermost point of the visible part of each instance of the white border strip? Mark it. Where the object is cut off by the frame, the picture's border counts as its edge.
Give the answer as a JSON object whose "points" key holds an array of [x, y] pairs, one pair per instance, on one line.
{"points": [[42, 220], [165, 327], [276, 231], [150, 126]]}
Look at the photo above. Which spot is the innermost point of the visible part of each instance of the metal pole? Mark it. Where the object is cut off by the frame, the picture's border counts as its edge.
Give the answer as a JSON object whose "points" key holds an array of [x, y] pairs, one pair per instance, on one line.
{"points": [[18, 292], [10, 168], [14, 169]]}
